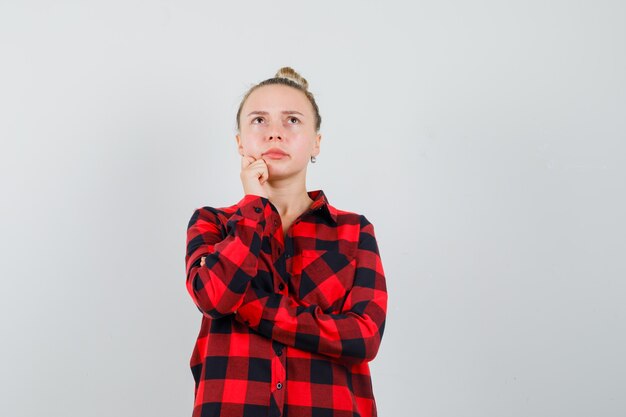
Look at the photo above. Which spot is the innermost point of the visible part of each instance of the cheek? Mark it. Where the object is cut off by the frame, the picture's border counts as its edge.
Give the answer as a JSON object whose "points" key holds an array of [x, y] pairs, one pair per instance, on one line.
{"points": [[251, 146], [302, 148]]}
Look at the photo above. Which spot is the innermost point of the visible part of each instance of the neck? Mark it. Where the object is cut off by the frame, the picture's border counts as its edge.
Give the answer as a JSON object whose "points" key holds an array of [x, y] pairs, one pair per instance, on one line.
{"points": [[289, 197]]}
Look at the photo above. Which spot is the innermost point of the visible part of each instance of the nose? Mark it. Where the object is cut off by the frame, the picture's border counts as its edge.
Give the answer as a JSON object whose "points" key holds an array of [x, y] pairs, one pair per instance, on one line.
{"points": [[275, 132]]}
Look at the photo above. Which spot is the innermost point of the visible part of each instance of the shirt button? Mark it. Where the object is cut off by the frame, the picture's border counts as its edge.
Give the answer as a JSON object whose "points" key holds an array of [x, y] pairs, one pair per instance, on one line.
{"points": [[275, 222], [281, 286], [287, 255], [258, 209], [279, 385]]}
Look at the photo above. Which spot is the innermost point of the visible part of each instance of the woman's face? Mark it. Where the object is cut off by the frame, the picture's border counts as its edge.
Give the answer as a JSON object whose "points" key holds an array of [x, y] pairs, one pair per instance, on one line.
{"points": [[278, 116]]}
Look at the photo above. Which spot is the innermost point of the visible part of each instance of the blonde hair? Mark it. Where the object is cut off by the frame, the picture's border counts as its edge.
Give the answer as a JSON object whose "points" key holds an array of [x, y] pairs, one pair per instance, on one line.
{"points": [[286, 76]]}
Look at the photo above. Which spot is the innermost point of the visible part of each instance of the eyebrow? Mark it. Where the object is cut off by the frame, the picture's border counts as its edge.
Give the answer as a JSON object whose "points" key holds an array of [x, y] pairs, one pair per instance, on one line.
{"points": [[283, 112]]}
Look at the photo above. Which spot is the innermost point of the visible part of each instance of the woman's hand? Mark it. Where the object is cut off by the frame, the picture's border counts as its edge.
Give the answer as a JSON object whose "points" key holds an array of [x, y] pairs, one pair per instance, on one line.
{"points": [[254, 174]]}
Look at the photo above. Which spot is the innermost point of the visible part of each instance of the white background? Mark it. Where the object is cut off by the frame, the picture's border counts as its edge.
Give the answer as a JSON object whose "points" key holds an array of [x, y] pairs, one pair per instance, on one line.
{"points": [[485, 140]]}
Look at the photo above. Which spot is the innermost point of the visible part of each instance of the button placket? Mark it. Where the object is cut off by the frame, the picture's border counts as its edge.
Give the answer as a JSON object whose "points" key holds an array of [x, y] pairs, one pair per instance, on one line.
{"points": [[279, 368]]}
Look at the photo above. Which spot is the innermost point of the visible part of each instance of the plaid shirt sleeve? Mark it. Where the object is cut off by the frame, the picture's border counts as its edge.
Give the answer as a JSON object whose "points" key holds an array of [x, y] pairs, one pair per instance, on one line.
{"points": [[352, 336], [218, 287]]}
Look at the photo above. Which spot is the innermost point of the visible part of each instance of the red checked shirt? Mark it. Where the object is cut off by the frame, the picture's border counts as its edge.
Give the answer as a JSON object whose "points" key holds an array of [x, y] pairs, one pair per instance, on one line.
{"points": [[289, 322]]}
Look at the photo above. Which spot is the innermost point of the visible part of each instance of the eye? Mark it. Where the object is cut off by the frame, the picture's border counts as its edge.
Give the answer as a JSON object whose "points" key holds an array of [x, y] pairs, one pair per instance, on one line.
{"points": [[256, 118], [294, 118]]}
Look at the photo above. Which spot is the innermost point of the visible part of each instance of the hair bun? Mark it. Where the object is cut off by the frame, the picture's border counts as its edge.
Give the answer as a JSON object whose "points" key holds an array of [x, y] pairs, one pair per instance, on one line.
{"points": [[291, 74]]}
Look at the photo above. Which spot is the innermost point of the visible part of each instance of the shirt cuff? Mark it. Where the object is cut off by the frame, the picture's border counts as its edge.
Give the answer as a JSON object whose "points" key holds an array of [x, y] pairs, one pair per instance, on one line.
{"points": [[250, 313]]}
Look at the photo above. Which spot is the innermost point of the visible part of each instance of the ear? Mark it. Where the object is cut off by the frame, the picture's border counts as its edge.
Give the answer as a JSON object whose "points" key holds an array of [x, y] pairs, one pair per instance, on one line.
{"points": [[239, 146], [316, 147]]}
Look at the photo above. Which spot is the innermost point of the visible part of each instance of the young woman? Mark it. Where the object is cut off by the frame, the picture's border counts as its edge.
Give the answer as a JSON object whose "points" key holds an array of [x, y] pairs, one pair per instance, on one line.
{"points": [[292, 289]]}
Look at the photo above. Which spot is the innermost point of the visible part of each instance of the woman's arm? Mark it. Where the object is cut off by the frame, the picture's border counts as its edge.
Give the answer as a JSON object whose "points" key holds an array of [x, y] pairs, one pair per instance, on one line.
{"points": [[352, 336], [218, 286]]}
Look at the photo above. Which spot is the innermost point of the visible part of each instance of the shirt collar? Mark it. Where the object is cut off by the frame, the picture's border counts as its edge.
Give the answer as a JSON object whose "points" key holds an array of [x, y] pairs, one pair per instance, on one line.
{"points": [[320, 202]]}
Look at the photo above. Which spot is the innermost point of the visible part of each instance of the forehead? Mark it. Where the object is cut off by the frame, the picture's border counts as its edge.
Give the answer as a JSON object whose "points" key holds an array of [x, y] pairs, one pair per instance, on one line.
{"points": [[277, 98]]}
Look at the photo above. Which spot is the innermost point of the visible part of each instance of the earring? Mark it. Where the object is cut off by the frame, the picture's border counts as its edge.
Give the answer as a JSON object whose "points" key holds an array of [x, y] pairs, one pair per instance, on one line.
{"points": [[313, 159]]}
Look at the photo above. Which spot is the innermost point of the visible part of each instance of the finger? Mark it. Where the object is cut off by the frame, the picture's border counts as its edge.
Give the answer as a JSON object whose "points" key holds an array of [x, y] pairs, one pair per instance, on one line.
{"points": [[264, 176], [260, 162], [247, 160], [257, 166]]}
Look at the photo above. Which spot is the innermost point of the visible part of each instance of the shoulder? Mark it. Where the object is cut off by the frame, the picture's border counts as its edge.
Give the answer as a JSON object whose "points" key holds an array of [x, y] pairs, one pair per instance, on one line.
{"points": [[249, 205], [211, 215], [354, 227], [345, 217], [361, 234]]}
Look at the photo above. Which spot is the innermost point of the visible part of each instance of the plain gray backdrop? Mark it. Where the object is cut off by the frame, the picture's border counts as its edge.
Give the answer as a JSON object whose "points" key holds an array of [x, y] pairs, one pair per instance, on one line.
{"points": [[484, 140]]}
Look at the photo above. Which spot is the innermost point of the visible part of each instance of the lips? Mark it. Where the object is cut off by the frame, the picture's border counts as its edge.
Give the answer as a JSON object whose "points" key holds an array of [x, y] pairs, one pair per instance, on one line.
{"points": [[274, 152]]}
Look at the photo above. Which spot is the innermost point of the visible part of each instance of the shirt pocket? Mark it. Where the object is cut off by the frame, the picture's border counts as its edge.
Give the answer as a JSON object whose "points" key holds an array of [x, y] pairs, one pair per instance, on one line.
{"points": [[325, 279]]}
